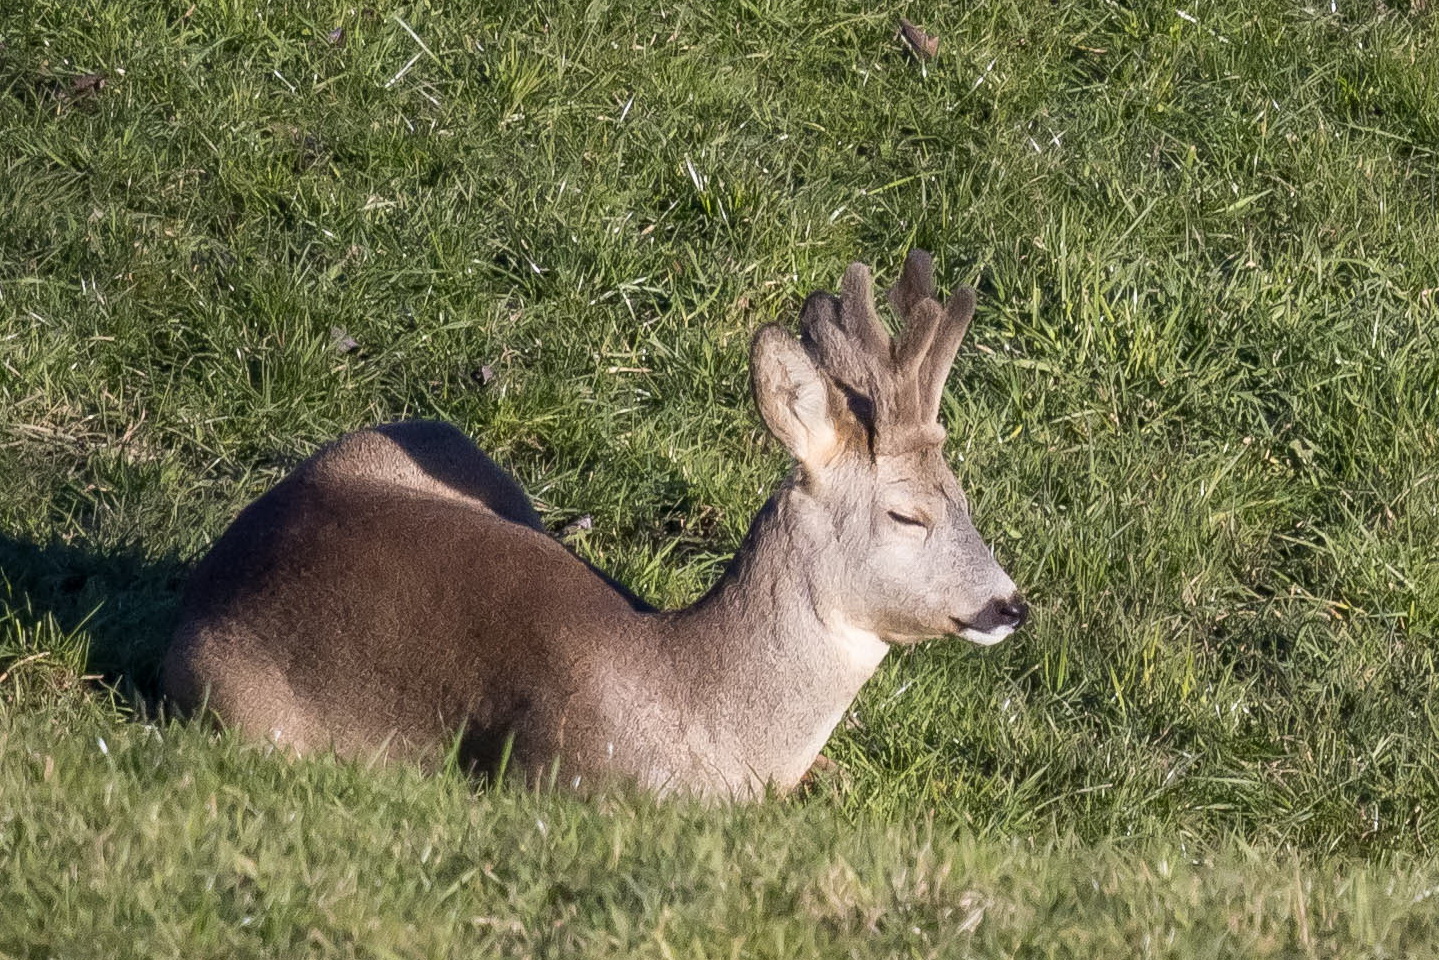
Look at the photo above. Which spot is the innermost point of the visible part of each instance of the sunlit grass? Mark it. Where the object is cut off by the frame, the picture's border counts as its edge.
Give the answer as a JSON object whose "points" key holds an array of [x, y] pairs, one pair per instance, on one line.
{"points": [[1195, 417]]}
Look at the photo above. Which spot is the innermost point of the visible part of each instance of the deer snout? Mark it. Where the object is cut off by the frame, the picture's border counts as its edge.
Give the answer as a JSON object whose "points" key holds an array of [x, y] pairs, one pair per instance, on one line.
{"points": [[1012, 612], [996, 620]]}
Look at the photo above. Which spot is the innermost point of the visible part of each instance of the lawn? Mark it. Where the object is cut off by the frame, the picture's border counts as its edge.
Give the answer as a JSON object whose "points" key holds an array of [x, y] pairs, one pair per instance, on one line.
{"points": [[1195, 417]]}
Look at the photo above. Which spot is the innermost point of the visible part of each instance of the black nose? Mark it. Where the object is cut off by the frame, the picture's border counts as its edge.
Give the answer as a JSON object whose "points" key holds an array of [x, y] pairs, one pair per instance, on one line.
{"points": [[1012, 612]]}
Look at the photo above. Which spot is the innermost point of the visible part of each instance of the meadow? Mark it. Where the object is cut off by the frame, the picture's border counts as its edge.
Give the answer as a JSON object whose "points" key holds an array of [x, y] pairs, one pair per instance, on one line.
{"points": [[1195, 417]]}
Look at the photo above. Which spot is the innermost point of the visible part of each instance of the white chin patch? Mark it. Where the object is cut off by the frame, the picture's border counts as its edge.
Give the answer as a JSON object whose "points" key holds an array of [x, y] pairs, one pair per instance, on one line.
{"points": [[986, 638], [861, 650]]}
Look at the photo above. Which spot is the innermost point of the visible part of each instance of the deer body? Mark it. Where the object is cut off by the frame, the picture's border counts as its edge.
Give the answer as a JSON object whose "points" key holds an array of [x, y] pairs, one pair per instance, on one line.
{"points": [[397, 594]]}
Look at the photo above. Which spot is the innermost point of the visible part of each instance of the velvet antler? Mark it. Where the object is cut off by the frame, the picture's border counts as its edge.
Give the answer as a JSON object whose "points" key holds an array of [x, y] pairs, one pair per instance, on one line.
{"points": [[894, 384]]}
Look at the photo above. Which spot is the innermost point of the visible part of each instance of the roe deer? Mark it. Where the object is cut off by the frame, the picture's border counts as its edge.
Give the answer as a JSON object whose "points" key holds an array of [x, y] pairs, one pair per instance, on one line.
{"points": [[397, 594]]}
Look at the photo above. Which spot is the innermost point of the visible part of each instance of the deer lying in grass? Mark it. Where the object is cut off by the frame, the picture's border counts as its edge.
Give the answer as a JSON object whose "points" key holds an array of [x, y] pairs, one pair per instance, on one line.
{"points": [[398, 595]]}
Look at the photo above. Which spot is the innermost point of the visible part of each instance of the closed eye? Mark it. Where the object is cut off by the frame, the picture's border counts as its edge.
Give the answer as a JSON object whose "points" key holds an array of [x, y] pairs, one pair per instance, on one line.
{"points": [[905, 520]]}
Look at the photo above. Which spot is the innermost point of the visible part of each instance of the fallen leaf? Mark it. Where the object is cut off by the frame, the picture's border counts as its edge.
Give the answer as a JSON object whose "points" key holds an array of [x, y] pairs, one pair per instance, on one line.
{"points": [[923, 45], [88, 84]]}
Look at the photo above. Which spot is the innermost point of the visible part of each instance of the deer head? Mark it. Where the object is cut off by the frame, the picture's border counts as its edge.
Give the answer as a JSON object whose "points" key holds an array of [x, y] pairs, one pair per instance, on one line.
{"points": [[882, 525]]}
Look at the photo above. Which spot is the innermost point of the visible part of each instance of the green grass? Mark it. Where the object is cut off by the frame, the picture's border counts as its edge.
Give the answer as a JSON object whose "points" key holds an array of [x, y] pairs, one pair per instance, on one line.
{"points": [[1196, 417], [127, 840]]}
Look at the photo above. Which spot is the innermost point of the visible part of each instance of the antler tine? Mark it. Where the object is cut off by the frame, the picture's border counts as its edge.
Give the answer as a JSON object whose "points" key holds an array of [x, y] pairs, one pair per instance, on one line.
{"points": [[819, 328], [948, 335], [900, 380], [916, 283], [845, 336], [857, 314], [914, 300], [820, 309]]}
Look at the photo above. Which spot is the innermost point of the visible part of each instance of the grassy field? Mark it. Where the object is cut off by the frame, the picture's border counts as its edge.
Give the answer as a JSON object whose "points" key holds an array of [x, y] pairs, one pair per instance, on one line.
{"points": [[1196, 417]]}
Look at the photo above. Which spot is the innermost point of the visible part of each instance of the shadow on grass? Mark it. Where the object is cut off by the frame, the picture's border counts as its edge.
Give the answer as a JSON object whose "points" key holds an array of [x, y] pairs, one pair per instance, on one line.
{"points": [[121, 600]]}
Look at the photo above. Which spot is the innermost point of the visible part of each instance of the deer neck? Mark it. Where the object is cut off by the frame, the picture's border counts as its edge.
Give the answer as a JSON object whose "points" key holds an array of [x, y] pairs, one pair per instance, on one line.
{"points": [[767, 665]]}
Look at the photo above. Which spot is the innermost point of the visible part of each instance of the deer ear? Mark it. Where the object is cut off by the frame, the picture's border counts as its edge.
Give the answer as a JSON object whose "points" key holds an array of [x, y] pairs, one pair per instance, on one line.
{"points": [[797, 401]]}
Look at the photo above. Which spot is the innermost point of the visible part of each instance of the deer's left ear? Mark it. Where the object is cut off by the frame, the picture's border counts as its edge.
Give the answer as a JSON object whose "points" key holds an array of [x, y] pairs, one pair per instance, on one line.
{"points": [[799, 404]]}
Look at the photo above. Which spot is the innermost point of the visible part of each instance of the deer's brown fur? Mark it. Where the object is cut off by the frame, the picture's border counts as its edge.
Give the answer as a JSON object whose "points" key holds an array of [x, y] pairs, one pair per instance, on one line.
{"points": [[398, 595]]}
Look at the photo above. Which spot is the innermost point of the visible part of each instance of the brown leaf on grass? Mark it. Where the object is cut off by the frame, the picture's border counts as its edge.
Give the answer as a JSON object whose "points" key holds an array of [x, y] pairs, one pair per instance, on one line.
{"points": [[924, 46], [89, 84], [74, 90]]}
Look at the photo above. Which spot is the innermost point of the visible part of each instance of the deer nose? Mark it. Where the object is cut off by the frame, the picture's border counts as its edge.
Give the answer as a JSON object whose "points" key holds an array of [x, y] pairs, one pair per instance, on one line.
{"points": [[1010, 613]]}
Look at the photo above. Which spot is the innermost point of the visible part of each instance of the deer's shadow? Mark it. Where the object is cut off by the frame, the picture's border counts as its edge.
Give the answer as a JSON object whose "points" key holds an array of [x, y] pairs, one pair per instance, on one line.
{"points": [[120, 599]]}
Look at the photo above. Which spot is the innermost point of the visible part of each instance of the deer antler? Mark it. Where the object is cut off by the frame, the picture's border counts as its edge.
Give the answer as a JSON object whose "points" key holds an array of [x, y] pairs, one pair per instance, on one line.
{"points": [[894, 384]]}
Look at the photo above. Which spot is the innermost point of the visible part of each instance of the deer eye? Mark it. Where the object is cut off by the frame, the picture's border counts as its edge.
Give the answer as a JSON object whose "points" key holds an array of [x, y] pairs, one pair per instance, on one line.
{"points": [[905, 520]]}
